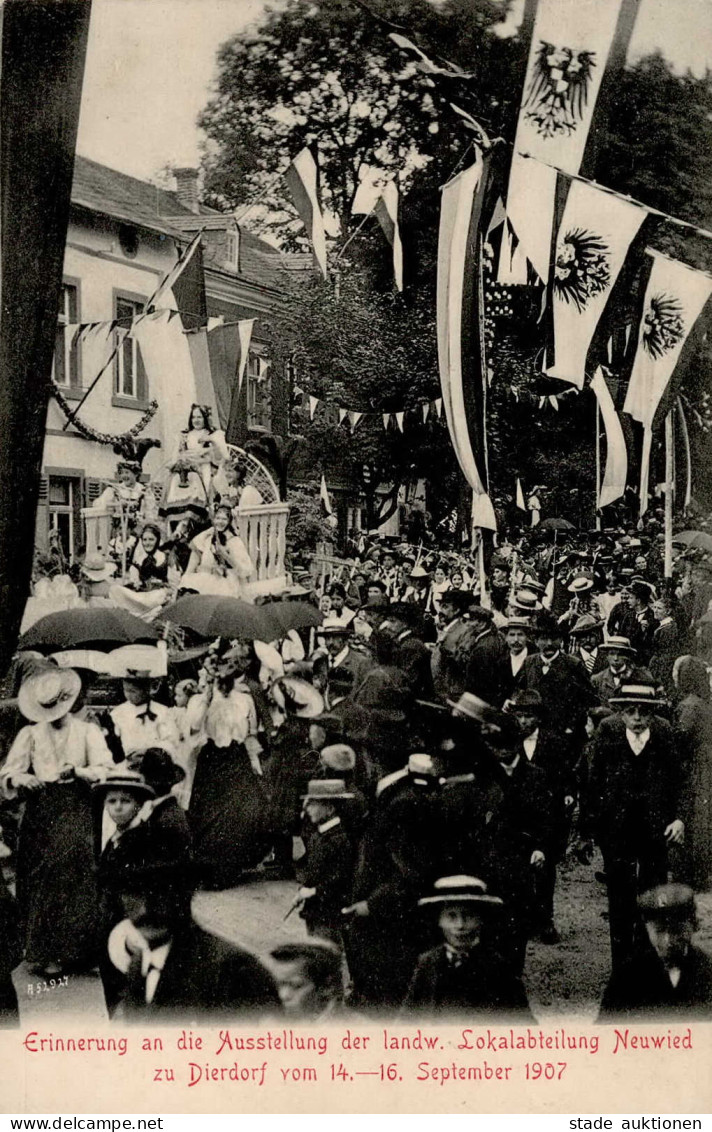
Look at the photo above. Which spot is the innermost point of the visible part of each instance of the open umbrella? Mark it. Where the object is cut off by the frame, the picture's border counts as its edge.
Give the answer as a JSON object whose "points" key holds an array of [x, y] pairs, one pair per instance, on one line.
{"points": [[91, 628], [696, 540], [556, 525], [210, 615], [293, 615]]}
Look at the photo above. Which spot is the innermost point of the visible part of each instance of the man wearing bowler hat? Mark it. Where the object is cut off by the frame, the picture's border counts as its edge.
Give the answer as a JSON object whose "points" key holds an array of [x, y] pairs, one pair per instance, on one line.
{"points": [[561, 680], [329, 867], [347, 667], [448, 664], [636, 791], [671, 980], [464, 975], [487, 658]]}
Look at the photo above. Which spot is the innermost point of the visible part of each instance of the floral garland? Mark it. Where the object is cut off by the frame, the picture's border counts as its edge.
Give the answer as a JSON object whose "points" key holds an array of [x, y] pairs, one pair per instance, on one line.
{"points": [[91, 433]]}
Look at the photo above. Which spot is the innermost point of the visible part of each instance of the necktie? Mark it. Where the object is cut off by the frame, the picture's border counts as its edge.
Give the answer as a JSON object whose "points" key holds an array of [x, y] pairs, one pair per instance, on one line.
{"points": [[147, 714]]}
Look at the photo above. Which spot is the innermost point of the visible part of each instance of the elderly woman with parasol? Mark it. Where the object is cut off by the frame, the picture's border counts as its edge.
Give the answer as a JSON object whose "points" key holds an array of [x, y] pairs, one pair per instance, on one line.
{"points": [[50, 766]]}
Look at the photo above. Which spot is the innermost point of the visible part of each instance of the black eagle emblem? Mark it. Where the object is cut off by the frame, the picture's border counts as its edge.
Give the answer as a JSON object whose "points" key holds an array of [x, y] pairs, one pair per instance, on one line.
{"points": [[582, 267], [558, 89], [663, 326]]}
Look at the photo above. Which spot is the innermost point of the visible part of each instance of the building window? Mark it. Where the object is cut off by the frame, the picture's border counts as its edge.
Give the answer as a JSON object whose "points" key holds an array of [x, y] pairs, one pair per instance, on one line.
{"points": [[231, 249], [65, 369], [63, 503], [259, 392], [129, 371]]}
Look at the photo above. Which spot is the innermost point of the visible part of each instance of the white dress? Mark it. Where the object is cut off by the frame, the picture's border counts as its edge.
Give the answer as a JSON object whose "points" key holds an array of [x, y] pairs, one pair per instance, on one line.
{"points": [[189, 492], [226, 578]]}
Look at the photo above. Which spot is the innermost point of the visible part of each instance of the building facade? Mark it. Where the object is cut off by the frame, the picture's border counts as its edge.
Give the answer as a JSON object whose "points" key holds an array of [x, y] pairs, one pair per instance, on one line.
{"points": [[124, 236]]}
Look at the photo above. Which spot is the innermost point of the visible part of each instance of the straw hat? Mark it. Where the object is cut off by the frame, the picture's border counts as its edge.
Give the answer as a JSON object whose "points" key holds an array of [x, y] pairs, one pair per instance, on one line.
{"points": [[462, 890], [129, 780], [326, 790], [581, 584], [630, 694], [586, 623], [298, 697], [618, 644], [46, 696], [97, 569]]}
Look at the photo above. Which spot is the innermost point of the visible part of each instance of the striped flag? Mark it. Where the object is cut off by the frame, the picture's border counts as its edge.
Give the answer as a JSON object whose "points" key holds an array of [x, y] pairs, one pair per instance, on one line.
{"points": [[302, 178], [596, 231], [674, 299], [325, 497], [571, 43], [169, 280], [460, 330], [615, 473]]}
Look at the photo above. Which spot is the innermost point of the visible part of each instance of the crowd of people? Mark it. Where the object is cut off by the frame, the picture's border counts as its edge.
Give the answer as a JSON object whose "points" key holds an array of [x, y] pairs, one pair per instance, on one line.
{"points": [[419, 764]]}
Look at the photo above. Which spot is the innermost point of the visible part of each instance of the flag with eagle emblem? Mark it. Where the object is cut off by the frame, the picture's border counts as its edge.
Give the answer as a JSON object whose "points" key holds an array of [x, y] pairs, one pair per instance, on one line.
{"points": [[674, 299], [595, 233], [571, 42]]}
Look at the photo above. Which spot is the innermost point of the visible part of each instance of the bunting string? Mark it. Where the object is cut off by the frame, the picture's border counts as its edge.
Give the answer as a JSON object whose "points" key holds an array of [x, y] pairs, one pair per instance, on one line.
{"points": [[420, 411], [90, 433]]}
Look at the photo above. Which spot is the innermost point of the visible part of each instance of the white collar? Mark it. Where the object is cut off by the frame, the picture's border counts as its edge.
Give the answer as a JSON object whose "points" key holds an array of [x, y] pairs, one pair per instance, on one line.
{"points": [[530, 741], [510, 768], [548, 661], [330, 824], [637, 742], [667, 621], [389, 779], [340, 657]]}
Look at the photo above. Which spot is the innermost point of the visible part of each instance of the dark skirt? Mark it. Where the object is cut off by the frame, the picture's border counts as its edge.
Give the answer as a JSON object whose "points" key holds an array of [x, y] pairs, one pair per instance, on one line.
{"points": [[56, 877], [228, 815]]}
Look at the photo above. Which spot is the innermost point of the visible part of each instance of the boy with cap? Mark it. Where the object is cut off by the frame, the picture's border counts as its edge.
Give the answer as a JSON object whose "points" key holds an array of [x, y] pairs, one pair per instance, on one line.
{"points": [[329, 866], [464, 974], [672, 978]]}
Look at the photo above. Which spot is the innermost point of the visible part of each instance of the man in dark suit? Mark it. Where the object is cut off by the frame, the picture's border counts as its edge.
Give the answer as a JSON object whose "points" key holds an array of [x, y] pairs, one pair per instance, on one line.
{"points": [[561, 680], [544, 748], [404, 625], [635, 794], [448, 663], [464, 975], [171, 968], [486, 672], [347, 666], [621, 669], [672, 979], [329, 865], [518, 641], [666, 644]]}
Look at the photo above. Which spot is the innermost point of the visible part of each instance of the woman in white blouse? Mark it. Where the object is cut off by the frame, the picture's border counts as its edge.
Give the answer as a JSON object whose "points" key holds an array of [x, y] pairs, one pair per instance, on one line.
{"points": [[219, 562], [52, 763]]}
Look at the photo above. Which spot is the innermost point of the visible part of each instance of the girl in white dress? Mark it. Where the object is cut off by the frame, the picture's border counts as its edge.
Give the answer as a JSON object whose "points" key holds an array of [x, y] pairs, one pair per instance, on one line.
{"points": [[219, 562], [200, 452]]}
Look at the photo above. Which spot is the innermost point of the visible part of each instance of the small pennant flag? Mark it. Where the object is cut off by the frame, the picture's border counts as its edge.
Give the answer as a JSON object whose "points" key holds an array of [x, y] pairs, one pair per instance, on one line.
{"points": [[354, 418], [438, 403], [386, 211], [399, 420], [521, 503], [386, 420], [302, 177], [214, 322], [426, 411], [342, 415], [554, 402], [313, 402]]}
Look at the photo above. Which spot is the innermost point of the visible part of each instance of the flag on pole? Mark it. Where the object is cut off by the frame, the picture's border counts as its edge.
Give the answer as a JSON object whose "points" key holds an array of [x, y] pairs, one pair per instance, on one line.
{"points": [[674, 299], [302, 178], [168, 282], [521, 502], [571, 41], [460, 342], [596, 231], [615, 473], [426, 64], [386, 211]]}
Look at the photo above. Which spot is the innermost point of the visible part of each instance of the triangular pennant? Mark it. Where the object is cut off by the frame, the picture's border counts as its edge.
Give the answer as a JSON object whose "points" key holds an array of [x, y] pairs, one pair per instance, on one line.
{"points": [[302, 177], [342, 415], [399, 420], [521, 503], [244, 328], [554, 402], [386, 420], [214, 321], [354, 418], [438, 404], [426, 411], [313, 402]]}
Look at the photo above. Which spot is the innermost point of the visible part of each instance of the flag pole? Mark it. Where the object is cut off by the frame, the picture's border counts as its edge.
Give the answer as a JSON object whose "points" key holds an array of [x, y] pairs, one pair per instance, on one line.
{"points": [[598, 468], [669, 490]]}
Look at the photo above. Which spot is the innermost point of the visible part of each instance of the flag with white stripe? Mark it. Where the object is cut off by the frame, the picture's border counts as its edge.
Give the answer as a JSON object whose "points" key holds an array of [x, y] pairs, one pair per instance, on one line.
{"points": [[302, 178]]}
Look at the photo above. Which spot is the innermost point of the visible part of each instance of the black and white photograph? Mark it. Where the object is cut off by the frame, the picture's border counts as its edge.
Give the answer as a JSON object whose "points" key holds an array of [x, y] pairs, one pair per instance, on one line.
{"points": [[355, 518]]}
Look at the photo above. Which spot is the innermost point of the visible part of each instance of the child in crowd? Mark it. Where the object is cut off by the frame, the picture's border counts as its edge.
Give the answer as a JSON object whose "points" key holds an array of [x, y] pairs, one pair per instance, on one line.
{"points": [[329, 860]]}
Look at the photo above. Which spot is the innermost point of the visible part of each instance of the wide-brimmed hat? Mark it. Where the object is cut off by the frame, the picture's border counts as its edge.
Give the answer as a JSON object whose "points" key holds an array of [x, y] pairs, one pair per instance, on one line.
{"points": [[546, 625], [48, 694], [472, 707], [418, 572], [461, 599], [516, 623], [298, 697], [585, 624], [668, 902], [580, 584], [140, 662], [334, 629], [326, 790], [128, 780], [529, 582], [461, 890], [480, 611], [526, 601], [618, 644], [339, 757], [630, 694], [97, 569]]}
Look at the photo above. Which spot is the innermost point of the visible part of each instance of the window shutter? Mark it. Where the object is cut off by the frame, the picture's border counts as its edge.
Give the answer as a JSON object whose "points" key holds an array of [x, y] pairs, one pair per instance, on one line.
{"points": [[42, 517], [92, 490], [141, 378]]}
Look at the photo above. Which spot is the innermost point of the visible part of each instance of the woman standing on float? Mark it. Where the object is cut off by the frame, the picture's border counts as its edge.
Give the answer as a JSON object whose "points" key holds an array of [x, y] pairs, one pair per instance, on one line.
{"points": [[200, 451]]}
